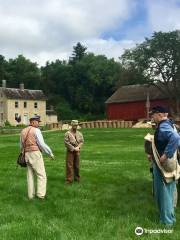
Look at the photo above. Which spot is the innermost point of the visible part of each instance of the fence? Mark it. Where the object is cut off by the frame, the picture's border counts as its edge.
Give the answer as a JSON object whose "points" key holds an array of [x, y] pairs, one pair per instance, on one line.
{"points": [[107, 124], [54, 126], [91, 124], [94, 124]]}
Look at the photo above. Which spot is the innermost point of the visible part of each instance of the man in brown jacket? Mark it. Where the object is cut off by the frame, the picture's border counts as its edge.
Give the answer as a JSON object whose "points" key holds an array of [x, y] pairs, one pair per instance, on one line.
{"points": [[73, 140]]}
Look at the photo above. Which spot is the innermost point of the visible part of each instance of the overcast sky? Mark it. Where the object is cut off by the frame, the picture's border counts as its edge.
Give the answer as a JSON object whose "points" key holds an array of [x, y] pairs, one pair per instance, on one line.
{"points": [[44, 30]]}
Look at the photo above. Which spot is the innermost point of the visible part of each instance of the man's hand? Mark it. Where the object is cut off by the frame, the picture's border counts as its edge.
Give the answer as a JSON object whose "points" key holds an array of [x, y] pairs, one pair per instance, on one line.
{"points": [[149, 157], [163, 158], [77, 149]]}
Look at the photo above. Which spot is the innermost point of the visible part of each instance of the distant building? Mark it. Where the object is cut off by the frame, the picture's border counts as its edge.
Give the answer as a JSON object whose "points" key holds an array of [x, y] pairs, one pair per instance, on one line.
{"points": [[132, 102], [18, 105], [51, 116]]}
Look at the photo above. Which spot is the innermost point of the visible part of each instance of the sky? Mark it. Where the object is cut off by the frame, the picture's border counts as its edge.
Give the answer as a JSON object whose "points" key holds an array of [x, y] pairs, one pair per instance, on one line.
{"points": [[46, 30]]}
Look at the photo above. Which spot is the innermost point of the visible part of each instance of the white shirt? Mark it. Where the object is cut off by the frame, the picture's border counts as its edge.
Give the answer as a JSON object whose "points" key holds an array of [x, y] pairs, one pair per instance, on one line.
{"points": [[40, 142]]}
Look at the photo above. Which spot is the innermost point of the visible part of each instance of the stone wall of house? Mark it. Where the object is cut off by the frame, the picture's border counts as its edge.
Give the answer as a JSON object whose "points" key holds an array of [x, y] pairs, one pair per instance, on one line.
{"points": [[51, 119], [3, 108], [25, 109]]}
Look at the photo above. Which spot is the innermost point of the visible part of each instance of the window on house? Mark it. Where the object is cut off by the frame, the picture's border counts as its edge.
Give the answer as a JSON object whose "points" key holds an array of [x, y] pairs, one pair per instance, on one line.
{"points": [[1, 119], [35, 105], [1, 105], [16, 105], [25, 104]]}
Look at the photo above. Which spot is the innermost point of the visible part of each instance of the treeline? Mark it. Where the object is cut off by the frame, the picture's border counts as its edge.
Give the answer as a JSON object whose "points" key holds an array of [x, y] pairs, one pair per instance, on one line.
{"points": [[77, 88]]}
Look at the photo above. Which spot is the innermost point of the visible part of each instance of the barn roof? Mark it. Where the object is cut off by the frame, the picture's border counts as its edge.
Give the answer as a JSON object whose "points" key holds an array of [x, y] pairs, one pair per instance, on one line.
{"points": [[25, 94], [134, 93]]}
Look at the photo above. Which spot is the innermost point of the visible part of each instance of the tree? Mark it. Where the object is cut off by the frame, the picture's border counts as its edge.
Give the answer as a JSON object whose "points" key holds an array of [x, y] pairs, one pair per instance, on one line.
{"points": [[81, 87], [94, 79], [130, 76], [158, 58], [3, 68], [22, 70], [79, 51]]}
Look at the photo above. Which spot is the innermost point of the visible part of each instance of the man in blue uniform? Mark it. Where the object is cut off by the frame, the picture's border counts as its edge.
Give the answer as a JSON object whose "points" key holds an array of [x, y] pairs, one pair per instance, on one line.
{"points": [[166, 141]]}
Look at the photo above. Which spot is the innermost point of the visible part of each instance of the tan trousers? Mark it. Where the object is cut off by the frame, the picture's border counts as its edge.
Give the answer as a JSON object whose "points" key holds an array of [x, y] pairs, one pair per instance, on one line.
{"points": [[35, 167]]}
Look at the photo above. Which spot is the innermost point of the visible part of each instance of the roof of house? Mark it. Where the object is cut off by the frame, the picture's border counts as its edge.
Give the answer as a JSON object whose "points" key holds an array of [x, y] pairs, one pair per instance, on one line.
{"points": [[26, 94], [135, 93]]}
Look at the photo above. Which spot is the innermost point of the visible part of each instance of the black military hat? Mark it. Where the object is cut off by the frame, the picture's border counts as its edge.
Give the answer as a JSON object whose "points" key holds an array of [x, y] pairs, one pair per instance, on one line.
{"points": [[158, 109], [35, 118]]}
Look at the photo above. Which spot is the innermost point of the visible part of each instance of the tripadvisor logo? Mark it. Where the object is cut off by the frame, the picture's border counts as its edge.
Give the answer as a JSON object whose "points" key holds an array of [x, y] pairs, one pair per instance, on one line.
{"points": [[139, 231]]}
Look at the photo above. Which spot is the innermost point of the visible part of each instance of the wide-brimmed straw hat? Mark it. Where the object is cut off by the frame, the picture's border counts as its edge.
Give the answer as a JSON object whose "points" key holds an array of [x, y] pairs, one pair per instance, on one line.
{"points": [[74, 123]]}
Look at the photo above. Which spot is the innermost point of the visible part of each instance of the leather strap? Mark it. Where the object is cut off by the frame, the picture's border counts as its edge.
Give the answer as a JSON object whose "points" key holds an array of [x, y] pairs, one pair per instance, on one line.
{"points": [[24, 143]]}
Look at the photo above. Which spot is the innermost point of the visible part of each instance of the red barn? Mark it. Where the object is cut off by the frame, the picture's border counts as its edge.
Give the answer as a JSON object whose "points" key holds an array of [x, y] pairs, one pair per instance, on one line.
{"points": [[133, 102]]}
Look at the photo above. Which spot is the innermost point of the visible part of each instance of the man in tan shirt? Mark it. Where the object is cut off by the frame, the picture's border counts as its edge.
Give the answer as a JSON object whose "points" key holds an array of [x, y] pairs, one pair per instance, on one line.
{"points": [[73, 140], [32, 142]]}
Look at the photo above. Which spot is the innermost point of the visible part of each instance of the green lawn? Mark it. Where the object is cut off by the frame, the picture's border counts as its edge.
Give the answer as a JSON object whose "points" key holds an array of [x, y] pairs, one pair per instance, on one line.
{"points": [[113, 198]]}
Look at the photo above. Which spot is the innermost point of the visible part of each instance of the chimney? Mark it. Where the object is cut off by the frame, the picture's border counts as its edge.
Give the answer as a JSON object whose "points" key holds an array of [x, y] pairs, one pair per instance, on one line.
{"points": [[21, 86], [4, 83]]}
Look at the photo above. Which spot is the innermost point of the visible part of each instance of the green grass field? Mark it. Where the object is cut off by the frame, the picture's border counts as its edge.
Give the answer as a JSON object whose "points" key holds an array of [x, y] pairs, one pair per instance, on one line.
{"points": [[113, 198]]}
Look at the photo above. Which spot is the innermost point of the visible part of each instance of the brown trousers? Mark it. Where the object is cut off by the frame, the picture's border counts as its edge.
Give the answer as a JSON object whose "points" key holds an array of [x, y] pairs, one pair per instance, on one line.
{"points": [[72, 166]]}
